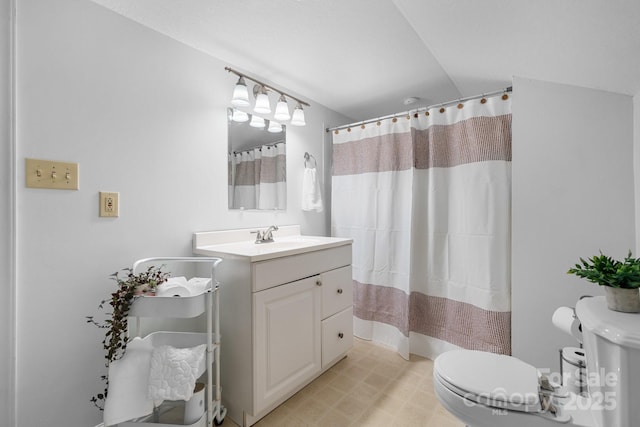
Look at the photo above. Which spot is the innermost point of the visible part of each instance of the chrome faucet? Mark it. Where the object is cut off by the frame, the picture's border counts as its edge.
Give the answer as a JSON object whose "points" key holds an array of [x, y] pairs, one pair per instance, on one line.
{"points": [[265, 236]]}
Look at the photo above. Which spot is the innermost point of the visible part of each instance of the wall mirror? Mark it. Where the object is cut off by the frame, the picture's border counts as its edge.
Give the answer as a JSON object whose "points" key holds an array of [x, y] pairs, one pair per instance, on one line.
{"points": [[256, 163]]}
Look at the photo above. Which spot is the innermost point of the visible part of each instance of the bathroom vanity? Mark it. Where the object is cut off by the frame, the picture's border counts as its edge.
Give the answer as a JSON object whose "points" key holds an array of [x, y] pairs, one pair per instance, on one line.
{"points": [[286, 314]]}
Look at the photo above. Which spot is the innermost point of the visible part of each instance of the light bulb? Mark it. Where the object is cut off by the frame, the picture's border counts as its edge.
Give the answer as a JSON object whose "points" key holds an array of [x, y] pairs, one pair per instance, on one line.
{"points": [[240, 94], [262, 102], [256, 121], [239, 116], [298, 116], [282, 109], [274, 127]]}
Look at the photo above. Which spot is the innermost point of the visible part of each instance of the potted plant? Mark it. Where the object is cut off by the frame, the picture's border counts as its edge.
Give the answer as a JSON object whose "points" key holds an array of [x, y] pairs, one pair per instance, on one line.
{"points": [[621, 279], [129, 287]]}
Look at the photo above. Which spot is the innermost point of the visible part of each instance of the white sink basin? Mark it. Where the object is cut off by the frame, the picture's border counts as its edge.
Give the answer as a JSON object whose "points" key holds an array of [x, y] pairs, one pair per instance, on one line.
{"points": [[283, 246]]}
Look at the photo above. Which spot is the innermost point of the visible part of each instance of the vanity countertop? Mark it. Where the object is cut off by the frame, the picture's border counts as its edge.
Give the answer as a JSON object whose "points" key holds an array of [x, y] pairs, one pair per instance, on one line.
{"points": [[283, 245]]}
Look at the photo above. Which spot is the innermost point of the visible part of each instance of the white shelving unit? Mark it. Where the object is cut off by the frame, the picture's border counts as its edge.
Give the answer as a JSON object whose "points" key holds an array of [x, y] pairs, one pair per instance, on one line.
{"points": [[185, 307]]}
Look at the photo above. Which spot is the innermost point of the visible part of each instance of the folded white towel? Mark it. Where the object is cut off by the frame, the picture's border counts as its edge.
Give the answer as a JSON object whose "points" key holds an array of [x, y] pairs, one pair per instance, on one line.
{"points": [[174, 371], [311, 194], [127, 397]]}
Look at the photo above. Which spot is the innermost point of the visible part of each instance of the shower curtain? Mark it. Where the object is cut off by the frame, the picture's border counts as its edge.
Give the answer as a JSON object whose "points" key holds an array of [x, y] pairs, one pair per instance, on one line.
{"points": [[426, 199], [258, 178]]}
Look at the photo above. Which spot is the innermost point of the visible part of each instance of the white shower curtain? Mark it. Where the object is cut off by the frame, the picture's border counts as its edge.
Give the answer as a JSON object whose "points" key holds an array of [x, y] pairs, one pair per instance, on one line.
{"points": [[259, 178], [427, 201]]}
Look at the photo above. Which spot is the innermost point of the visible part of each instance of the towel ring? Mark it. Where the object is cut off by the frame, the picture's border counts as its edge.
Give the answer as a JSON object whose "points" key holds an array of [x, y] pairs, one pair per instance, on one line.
{"points": [[308, 157]]}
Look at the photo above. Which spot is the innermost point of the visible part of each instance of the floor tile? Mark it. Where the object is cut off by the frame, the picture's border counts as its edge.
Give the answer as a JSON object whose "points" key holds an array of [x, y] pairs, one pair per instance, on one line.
{"points": [[372, 387]]}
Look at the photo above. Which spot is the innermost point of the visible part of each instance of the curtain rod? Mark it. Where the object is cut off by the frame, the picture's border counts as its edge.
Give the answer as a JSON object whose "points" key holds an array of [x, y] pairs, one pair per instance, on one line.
{"points": [[271, 144], [239, 74], [442, 104]]}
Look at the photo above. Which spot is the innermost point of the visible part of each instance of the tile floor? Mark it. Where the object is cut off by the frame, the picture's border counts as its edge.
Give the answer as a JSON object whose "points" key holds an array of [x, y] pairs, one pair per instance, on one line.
{"points": [[372, 386]]}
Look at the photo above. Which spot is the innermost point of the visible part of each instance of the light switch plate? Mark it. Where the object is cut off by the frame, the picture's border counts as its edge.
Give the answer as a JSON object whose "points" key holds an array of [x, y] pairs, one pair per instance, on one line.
{"points": [[51, 174], [109, 204]]}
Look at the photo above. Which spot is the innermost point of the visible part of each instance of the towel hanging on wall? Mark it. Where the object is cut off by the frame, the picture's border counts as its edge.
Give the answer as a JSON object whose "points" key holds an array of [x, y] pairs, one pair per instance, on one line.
{"points": [[311, 193]]}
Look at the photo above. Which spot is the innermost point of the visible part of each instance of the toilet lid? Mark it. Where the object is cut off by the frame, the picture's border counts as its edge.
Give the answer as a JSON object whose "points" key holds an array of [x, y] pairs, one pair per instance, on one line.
{"points": [[491, 379]]}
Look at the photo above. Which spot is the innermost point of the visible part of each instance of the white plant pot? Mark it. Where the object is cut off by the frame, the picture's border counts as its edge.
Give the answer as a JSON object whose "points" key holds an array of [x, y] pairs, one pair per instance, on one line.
{"points": [[624, 300]]}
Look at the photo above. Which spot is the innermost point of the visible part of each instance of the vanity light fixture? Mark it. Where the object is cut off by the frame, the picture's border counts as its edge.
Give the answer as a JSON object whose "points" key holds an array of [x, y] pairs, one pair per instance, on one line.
{"points": [[240, 94], [298, 116], [262, 104], [274, 127], [256, 121]]}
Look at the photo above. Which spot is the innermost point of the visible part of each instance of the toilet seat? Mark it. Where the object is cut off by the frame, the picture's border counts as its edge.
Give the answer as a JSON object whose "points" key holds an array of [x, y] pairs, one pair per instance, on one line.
{"points": [[494, 380]]}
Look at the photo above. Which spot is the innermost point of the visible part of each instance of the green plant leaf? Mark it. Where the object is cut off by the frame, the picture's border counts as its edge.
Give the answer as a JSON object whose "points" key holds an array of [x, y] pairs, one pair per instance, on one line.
{"points": [[606, 271], [116, 334]]}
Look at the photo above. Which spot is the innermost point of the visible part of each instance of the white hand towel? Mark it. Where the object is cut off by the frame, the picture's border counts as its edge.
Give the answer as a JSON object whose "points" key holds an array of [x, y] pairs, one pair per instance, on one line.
{"points": [[127, 397], [174, 371], [311, 194]]}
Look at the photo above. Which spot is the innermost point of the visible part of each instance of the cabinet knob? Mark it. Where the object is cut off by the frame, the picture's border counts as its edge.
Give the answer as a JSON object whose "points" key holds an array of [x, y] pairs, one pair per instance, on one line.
{"points": [[318, 283], [339, 291], [340, 335]]}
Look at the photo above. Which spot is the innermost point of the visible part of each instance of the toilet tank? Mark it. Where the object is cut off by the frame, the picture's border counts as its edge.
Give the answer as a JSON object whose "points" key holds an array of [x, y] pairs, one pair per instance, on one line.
{"points": [[612, 346]]}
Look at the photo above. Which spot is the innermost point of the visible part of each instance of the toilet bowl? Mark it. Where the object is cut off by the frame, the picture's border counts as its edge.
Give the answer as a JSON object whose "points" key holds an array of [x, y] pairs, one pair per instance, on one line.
{"points": [[491, 390]]}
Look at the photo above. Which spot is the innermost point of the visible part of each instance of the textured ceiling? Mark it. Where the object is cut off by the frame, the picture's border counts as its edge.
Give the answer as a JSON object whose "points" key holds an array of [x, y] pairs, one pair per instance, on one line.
{"points": [[362, 58]]}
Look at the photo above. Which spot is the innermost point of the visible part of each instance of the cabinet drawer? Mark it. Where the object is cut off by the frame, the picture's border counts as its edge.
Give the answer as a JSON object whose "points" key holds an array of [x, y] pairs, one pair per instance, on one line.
{"points": [[337, 291], [274, 272], [337, 336]]}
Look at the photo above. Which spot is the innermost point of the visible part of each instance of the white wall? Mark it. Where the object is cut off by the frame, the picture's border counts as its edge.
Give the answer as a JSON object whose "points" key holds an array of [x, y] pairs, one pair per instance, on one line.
{"points": [[6, 231], [143, 115], [636, 164], [572, 196]]}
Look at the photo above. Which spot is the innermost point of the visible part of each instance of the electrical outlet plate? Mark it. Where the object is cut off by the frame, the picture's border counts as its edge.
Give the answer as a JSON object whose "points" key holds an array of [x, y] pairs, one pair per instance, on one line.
{"points": [[51, 174], [109, 204]]}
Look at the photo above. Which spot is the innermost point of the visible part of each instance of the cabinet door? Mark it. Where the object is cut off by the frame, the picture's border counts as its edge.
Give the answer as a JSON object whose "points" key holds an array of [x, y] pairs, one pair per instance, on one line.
{"points": [[286, 339], [337, 291]]}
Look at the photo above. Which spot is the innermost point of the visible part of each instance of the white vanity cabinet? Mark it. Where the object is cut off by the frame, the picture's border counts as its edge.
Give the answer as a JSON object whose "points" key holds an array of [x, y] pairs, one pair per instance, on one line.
{"points": [[285, 316]]}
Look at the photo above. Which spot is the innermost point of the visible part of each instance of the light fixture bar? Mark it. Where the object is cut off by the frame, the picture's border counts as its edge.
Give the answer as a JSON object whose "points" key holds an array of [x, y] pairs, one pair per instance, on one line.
{"points": [[239, 74]]}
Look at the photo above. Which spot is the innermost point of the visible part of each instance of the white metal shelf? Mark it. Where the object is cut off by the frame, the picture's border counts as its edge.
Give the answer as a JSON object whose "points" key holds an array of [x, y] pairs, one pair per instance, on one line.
{"points": [[186, 307]]}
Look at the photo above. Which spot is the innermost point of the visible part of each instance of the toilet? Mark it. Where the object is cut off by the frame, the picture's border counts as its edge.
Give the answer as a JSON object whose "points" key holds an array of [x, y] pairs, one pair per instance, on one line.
{"points": [[491, 390]]}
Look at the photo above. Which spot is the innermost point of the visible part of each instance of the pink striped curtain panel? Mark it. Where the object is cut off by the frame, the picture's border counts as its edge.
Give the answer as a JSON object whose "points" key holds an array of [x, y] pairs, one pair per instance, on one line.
{"points": [[257, 178], [427, 201]]}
